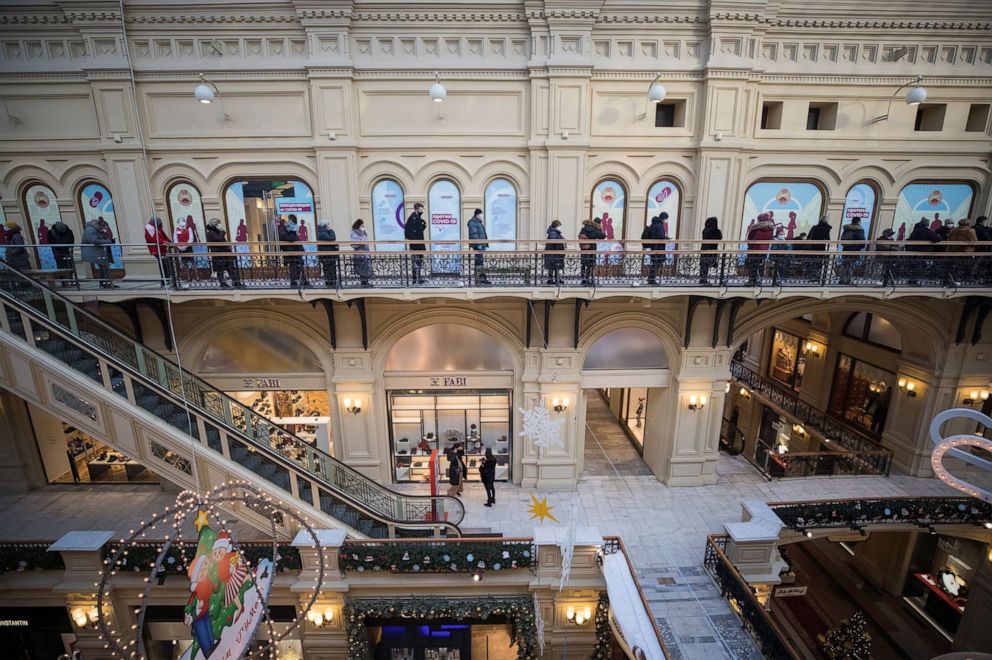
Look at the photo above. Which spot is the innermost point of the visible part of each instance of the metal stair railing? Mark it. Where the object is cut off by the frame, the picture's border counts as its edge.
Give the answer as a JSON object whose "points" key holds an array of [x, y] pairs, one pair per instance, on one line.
{"points": [[152, 382]]}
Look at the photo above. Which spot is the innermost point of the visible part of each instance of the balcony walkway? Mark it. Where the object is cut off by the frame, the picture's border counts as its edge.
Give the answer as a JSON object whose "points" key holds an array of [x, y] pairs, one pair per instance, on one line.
{"points": [[663, 528]]}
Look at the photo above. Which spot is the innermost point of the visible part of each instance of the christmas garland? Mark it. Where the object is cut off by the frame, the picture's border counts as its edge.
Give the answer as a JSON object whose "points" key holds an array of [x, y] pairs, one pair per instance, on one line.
{"points": [[141, 557], [519, 611], [29, 557], [918, 510], [604, 635], [461, 557]]}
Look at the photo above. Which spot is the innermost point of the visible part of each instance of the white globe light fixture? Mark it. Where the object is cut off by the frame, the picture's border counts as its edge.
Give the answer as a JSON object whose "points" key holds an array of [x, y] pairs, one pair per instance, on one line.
{"points": [[915, 96], [657, 91], [437, 91], [206, 91]]}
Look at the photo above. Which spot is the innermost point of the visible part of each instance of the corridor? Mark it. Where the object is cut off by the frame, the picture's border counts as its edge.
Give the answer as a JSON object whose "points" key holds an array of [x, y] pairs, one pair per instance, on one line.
{"points": [[608, 450]]}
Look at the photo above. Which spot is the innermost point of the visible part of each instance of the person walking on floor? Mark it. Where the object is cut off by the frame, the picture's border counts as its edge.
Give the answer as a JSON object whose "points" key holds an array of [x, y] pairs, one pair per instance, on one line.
{"points": [[655, 235], [225, 264], [553, 261], [158, 246], [591, 231], [477, 232], [487, 472], [329, 261], [454, 474], [62, 238], [711, 232], [290, 243], [16, 254], [95, 253], [414, 231], [361, 263]]}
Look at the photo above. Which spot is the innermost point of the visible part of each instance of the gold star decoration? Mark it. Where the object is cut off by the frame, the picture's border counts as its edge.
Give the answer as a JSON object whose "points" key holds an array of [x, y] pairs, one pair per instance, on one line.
{"points": [[201, 520], [539, 508]]}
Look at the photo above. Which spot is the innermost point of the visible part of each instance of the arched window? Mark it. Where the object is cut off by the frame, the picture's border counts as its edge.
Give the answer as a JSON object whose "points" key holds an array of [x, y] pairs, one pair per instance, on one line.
{"points": [[664, 196], [41, 211], [501, 213], [258, 350], [793, 205], [609, 202], [388, 214], [874, 330], [626, 348], [444, 212], [96, 203], [256, 208], [3, 221], [936, 201], [448, 347], [861, 202], [185, 204]]}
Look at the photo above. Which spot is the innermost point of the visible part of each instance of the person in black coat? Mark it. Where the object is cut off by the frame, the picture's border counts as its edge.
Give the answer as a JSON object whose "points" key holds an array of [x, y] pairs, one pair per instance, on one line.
{"points": [[655, 233], [329, 261], [414, 231], [223, 263], [711, 232], [591, 231], [455, 475], [922, 232], [819, 232], [16, 254], [554, 261], [983, 233], [290, 243], [62, 238], [487, 472]]}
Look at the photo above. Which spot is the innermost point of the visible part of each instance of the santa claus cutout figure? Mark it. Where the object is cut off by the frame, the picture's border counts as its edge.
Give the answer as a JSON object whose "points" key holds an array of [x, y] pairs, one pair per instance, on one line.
{"points": [[198, 608], [231, 571]]}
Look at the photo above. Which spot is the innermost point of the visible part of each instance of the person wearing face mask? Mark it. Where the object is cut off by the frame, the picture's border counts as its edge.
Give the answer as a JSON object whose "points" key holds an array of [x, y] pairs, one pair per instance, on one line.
{"points": [[291, 243], [414, 231], [477, 232]]}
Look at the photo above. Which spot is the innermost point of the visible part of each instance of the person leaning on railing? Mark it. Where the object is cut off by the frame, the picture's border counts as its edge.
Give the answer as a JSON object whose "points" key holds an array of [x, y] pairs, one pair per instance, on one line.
{"points": [[96, 253], [590, 232], [290, 243], [61, 238], [224, 264], [963, 233], [361, 263], [888, 265], [328, 260], [158, 246], [414, 231]]}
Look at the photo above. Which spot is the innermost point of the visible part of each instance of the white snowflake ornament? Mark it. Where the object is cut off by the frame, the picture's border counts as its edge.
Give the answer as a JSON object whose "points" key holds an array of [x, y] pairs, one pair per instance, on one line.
{"points": [[541, 428]]}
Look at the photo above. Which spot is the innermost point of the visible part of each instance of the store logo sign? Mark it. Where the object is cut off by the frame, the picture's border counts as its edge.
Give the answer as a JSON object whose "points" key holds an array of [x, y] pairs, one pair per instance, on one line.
{"points": [[449, 381], [260, 382]]}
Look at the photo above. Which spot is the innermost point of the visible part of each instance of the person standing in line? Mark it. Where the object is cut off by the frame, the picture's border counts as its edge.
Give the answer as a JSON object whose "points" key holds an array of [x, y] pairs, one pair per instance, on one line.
{"points": [[16, 255], [459, 455], [816, 265], [655, 234], [362, 263], [158, 246], [852, 236], [762, 230], [454, 474], [477, 232], [291, 243], [711, 232], [224, 265], [983, 234], [63, 239], [963, 233], [555, 262], [95, 253], [591, 231], [328, 262], [780, 262], [487, 472], [414, 231]]}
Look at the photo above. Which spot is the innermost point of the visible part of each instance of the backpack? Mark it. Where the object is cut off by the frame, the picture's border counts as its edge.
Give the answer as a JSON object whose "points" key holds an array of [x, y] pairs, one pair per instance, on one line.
{"points": [[646, 234]]}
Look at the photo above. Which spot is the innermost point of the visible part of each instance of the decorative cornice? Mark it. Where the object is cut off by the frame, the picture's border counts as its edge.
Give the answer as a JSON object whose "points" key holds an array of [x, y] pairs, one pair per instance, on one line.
{"points": [[438, 17], [878, 25], [651, 18], [33, 19], [92, 16], [200, 19]]}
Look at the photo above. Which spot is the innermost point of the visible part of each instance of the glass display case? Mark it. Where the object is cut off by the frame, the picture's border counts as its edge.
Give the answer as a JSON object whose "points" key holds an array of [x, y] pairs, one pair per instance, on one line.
{"points": [[471, 420]]}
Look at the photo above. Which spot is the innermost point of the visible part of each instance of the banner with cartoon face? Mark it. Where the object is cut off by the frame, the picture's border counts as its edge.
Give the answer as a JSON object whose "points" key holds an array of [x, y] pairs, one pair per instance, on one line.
{"points": [[186, 208], [860, 203], [663, 197], [501, 213], [43, 212], [444, 224], [97, 204], [388, 215], [795, 206], [936, 202], [609, 204]]}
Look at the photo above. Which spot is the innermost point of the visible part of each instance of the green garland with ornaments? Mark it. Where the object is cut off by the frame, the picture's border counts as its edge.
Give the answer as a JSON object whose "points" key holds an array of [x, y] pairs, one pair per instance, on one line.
{"points": [[16, 557], [140, 558], [460, 557], [518, 610], [604, 635]]}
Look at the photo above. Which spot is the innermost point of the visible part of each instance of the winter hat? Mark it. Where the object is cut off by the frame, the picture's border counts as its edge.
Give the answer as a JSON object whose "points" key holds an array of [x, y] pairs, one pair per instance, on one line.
{"points": [[10, 224], [763, 217], [324, 223], [887, 232], [663, 216], [223, 541], [964, 222], [214, 222]]}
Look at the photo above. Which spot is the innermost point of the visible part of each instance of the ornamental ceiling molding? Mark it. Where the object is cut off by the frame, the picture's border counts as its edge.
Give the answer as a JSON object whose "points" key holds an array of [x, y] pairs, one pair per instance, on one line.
{"points": [[931, 81], [200, 19], [475, 74], [33, 19]]}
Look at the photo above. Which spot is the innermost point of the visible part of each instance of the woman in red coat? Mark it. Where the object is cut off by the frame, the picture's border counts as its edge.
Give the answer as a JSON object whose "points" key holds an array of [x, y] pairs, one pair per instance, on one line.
{"points": [[762, 230]]}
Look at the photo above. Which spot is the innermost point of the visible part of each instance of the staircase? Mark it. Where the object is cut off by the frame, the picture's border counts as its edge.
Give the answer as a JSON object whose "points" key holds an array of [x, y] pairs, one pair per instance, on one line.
{"points": [[61, 357]]}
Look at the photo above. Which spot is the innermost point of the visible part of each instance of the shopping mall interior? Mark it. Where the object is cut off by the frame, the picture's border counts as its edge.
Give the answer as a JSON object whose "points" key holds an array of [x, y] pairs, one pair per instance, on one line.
{"points": [[480, 331]]}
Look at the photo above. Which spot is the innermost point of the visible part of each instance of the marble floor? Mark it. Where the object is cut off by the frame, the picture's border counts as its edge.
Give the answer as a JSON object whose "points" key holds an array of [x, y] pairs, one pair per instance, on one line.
{"points": [[663, 528]]}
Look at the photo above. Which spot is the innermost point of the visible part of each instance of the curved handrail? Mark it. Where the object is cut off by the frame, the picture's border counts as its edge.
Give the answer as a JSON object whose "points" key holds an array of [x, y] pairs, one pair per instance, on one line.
{"points": [[327, 469]]}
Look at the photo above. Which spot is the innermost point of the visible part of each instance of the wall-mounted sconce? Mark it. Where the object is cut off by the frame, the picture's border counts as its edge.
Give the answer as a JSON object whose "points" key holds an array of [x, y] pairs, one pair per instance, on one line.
{"points": [[84, 617], [745, 394], [813, 349], [560, 405], [206, 91], [477, 576], [799, 430], [354, 407], [976, 396], [578, 617], [726, 387], [697, 403], [437, 92], [907, 387], [319, 618]]}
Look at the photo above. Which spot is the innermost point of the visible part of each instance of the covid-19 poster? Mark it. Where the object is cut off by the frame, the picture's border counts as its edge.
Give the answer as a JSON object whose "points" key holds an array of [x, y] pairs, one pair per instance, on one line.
{"points": [[97, 204], [859, 203], [795, 206], [609, 204], [663, 197], [501, 214], [444, 224], [934, 202], [388, 217]]}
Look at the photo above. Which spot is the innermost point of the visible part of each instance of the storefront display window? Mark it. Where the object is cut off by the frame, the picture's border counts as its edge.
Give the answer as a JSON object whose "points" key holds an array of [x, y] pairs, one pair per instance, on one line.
{"points": [[788, 359], [473, 420], [388, 217], [861, 393], [304, 413], [257, 208], [634, 412], [89, 461], [938, 586], [873, 330], [796, 206]]}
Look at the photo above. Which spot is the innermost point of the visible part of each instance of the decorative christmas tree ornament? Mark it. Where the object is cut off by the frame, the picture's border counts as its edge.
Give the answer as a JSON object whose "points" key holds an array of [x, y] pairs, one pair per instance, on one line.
{"points": [[848, 641], [955, 446], [539, 508], [541, 428]]}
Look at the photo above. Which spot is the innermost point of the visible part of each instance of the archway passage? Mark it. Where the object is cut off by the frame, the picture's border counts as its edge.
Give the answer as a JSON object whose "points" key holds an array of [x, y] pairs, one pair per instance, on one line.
{"points": [[624, 373]]}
